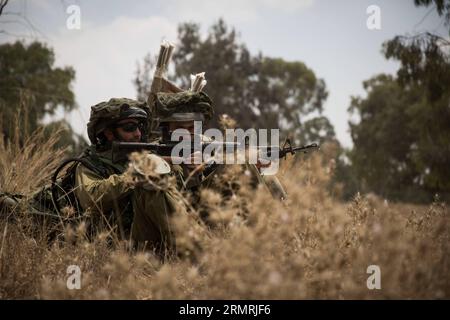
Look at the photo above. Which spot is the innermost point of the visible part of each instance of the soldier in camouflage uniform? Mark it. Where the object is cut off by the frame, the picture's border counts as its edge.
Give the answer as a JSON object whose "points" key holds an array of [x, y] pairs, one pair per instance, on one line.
{"points": [[102, 187], [179, 111]]}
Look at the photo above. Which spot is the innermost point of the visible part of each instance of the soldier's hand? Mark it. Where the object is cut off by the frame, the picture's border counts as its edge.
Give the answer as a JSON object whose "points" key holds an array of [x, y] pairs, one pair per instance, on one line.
{"points": [[260, 164]]}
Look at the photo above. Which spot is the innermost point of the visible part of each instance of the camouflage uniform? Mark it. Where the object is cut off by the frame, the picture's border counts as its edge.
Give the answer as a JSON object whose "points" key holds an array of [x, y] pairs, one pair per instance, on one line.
{"points": [[103, 189]]}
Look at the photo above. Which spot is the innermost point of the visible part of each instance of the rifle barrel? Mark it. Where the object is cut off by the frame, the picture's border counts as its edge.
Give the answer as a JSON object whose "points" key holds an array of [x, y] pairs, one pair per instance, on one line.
{"points": [[309, 146]]}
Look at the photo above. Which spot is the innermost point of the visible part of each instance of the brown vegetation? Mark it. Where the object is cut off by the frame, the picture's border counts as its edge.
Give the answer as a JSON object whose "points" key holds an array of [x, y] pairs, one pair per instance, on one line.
{"points": [[251, 247]]}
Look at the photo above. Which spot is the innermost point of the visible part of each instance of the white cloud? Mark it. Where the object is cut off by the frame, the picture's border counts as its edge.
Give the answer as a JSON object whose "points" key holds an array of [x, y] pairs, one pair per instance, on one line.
{"points": [[104, 58]]}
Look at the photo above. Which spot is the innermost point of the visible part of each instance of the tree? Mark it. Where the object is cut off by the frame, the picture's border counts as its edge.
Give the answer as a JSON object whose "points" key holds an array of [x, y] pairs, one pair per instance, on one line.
{"points": [[402, 141], [31, 87], [257, 91]]}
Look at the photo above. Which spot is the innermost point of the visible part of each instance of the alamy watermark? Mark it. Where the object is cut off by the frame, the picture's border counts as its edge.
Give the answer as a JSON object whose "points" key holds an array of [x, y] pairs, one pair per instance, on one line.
{"points": [[373, 21], [259, 147], [74, 280], [73, 21], [374, 280]]}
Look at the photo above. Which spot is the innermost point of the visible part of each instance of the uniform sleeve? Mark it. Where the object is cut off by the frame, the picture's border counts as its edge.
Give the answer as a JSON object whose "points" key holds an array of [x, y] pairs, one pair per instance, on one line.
{"points": [[94, 191]]}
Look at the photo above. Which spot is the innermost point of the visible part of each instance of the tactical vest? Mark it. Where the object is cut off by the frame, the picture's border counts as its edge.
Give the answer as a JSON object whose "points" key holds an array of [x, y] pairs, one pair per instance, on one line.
{"points": [[58, 199]]}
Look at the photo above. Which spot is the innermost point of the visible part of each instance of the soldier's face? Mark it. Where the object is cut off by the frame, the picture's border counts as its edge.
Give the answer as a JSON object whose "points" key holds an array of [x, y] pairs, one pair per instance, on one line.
{"points": [[127, 130], [187, 125]]}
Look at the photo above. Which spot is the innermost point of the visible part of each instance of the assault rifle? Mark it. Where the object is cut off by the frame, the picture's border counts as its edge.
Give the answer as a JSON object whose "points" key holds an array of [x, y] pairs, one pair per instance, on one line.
{"points": [[164, 149], [287, 148]]}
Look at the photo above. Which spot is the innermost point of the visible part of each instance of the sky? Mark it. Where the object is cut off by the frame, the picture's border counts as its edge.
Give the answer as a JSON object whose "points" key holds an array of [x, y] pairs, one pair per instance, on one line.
{"points": [[331, 37]]}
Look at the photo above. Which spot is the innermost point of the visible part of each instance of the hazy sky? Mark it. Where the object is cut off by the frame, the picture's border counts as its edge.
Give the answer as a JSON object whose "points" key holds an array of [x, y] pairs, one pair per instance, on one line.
{"points": [[330, 37]]}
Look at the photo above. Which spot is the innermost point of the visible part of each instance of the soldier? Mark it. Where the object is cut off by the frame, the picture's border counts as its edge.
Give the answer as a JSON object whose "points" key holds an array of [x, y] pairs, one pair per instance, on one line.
{"points": [[173, 108], [103, 187], [179, 111]]}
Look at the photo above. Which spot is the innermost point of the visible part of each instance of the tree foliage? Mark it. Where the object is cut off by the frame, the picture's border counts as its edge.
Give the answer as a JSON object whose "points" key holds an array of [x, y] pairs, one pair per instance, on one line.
{"points": [[402, 141], [31, 87], [257, 91], [442, 7]]}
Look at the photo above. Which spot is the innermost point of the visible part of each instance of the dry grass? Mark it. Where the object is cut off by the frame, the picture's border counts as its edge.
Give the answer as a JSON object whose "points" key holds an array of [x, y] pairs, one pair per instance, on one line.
{"points": [[26, 166], [251, 247]]}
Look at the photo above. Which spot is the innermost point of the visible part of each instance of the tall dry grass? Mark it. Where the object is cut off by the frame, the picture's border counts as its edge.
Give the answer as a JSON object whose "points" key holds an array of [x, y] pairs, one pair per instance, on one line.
{"points": [[26, 166], [250, 246]]}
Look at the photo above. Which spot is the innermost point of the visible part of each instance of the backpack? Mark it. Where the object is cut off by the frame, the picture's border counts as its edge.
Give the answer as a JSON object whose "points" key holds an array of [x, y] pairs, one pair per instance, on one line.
{"points": [[57, 201], [62, 189], [61, 199]]}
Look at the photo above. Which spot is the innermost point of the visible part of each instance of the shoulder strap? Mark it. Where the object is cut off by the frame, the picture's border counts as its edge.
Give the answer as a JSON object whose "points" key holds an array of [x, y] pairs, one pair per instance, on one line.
{"points": [[54, 187], [100, 162]]}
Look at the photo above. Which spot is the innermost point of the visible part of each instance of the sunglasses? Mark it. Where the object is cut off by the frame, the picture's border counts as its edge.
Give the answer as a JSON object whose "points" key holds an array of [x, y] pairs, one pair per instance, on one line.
{"points": [[131, 126]]}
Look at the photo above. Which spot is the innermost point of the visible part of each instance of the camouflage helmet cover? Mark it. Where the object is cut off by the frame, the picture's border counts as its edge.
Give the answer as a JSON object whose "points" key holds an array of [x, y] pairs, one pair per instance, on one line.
{"points": [[106, 113], [183, 106]]}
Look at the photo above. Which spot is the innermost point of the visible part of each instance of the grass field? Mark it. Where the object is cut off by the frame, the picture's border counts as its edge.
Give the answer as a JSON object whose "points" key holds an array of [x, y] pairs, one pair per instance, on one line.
{"points": [[252, 247]]}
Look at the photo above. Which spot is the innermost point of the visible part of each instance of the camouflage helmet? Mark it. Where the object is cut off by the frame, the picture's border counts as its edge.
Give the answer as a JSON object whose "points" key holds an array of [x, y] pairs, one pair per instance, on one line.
{"points": [[183, 106], [105, 114]]}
